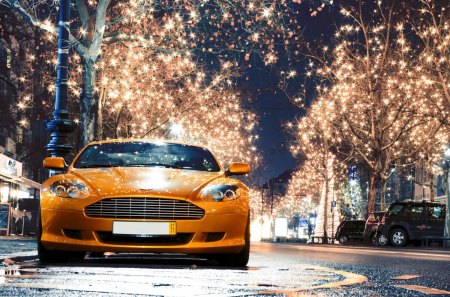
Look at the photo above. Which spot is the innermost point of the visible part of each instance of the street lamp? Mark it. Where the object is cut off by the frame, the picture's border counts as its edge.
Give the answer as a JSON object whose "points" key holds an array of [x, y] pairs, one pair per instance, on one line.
{"points": [[61, 125]]}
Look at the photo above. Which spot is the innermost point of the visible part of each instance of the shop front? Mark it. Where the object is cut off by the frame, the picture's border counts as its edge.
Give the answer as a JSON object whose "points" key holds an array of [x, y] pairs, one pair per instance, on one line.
{"points": [[19, 199]]}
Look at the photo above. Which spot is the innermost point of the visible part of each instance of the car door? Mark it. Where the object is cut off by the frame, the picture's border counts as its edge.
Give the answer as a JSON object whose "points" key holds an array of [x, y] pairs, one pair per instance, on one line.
{"points": [[435, 215], [418, 224], [352, 229], [359, 229]]}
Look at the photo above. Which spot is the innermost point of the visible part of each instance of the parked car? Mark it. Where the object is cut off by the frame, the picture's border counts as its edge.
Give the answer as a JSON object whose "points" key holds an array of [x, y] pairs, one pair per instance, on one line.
{"points": [[350, 230], [144, 196], [411, 221], [370, 229]]}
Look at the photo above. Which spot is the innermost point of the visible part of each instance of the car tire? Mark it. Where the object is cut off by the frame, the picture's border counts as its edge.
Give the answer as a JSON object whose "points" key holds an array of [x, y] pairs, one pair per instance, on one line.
{"points": [[343, 239], [382, 240], [374, 239], [398, 237], [47, 256], [236, 260]]}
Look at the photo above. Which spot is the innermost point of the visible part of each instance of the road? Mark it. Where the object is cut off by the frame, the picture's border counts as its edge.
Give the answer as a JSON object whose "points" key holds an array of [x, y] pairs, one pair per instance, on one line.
{"points": [[274, 270]]}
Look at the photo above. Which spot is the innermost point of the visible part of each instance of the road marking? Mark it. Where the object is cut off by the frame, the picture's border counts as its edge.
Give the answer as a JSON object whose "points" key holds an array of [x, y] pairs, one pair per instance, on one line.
{"points": [[422, 289], [350, 279], [405, 277]]}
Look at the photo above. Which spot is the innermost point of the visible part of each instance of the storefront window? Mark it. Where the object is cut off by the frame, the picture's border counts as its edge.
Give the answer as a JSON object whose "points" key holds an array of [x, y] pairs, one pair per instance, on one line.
{"points": [[4, 192]]}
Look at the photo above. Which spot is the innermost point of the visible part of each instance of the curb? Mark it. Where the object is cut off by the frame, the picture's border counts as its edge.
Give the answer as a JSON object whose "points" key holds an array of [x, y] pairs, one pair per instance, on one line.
{"points": [[17, 237], [16, 259]]}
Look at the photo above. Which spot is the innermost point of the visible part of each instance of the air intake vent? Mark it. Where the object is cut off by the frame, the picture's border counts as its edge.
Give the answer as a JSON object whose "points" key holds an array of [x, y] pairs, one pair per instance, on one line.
{"points": [[144, 208]]}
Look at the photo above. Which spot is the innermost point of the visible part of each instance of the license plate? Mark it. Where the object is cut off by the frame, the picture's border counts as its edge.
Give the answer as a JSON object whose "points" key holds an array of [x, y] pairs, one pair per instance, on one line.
{"points": [[144, 228]]}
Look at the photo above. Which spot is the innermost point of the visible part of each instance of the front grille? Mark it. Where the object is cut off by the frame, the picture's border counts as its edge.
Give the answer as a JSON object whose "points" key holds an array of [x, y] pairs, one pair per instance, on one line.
{"points": [[144, 208]]}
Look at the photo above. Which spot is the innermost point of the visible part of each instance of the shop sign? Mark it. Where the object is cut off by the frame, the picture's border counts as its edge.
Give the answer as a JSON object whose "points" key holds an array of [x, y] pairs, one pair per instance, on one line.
{"points": [[281, 227], [10, 166]]}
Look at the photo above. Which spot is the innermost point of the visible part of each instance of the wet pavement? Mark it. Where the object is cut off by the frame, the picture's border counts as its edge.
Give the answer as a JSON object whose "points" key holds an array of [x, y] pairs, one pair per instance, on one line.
{"points": [[17, 246], [274, 270]]}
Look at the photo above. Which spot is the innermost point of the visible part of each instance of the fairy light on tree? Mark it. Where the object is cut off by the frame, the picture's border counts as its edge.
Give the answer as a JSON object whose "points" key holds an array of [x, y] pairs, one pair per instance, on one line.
{"points": [[316, 139], [215, 32], [432, 26], [382, 106], [303, 193]]}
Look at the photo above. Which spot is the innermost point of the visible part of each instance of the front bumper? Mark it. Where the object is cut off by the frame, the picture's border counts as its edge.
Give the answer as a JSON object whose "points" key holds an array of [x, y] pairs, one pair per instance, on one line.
{"points": [[73, 231]]}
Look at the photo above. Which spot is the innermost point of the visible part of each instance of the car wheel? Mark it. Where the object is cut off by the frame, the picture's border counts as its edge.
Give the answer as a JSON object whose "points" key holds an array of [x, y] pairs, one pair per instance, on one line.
{"points": [[53, 256], [343, 239], [236, 260], [382, 240], [398, 237], [374, 239]]}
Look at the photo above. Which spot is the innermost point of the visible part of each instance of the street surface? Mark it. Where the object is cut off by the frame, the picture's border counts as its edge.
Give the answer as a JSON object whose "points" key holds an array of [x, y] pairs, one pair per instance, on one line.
{"points": [[275, 269]]}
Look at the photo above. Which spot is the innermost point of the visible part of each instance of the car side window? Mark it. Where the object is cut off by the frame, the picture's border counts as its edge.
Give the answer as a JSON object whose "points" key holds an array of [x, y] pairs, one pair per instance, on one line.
{"points": [[395, 210], [436, 212], [416, 211]]}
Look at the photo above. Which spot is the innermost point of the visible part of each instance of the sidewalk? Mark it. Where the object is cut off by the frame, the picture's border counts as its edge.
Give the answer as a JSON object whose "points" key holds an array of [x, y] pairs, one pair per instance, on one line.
{"points": [[17, 246]]}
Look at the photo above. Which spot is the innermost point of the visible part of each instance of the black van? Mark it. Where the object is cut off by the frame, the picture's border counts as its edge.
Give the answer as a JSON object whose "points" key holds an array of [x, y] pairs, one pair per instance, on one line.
{"points": [[348, 230], [409, 221]]}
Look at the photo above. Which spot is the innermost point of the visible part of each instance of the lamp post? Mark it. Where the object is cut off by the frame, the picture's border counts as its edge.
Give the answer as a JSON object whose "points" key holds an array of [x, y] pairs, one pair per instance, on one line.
{"points": [[60, 125]]}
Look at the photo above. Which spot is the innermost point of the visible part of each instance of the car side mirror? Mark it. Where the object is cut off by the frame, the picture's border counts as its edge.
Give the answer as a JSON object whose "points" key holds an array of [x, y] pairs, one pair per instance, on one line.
{"points": [[56, 163], [237, 168]]}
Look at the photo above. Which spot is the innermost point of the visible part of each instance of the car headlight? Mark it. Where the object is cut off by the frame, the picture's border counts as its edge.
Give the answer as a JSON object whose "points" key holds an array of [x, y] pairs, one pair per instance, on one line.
{"points": [[219, 193], [69, 189]]}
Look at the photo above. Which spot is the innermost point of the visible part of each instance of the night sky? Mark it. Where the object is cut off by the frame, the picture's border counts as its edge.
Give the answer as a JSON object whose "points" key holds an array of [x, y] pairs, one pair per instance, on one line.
{"points": [[275, 109]]}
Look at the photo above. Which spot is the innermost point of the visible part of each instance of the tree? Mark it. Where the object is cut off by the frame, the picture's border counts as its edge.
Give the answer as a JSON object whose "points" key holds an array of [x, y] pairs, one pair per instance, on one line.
{"points": [[315, 139], [214, 31], [145, 93], [432, 26], [351, 203], [303, 192], [373, 80]]}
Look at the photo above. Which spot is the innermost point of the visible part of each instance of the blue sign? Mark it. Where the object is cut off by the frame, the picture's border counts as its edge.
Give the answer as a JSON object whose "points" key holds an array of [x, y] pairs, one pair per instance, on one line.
{"points": [[4, 216]]}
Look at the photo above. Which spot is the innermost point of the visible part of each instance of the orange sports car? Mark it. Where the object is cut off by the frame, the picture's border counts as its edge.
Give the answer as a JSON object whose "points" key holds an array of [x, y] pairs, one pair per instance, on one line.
{"points": [[144, 196]]}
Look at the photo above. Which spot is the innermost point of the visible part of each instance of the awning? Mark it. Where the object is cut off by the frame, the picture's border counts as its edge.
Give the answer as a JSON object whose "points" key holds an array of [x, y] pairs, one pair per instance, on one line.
{"points": [[30, 183], [20, 180]]}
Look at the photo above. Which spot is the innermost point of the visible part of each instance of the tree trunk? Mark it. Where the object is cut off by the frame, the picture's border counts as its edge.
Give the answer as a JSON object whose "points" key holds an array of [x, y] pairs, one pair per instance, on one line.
{"points": [[430, 178], [383, 183], [447, 215], [89, 105], [325, 211], [432, 194], [374, 181], [101, 97]]}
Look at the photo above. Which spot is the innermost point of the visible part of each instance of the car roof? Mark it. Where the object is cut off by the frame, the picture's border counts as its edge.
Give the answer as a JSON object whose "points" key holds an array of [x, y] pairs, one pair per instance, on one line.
{"points": [[149, 140], [424, 202]]}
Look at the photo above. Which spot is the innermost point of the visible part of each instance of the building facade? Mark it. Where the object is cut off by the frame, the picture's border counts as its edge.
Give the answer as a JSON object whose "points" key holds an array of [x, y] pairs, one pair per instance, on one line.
{"points": [[19, 193]]}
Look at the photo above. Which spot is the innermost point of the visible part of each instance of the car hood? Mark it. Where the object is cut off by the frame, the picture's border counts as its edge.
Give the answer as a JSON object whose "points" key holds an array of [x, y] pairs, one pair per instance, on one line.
{"points": [[163, 182]]}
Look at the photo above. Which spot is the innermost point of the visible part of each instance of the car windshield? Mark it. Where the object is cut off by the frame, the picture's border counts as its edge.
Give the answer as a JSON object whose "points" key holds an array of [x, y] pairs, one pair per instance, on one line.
{"points": [[145, 154]]}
